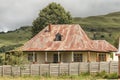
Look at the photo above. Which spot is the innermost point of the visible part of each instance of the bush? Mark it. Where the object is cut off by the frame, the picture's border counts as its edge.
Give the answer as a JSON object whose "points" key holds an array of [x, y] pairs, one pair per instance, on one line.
{"points": [[101, 74], [112, 76], [9, 47], [85, 74], [105, 75]]}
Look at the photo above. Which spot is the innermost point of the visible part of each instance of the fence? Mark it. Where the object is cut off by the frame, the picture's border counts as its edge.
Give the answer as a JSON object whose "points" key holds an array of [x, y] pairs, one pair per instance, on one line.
{"points": [[58, 69]]}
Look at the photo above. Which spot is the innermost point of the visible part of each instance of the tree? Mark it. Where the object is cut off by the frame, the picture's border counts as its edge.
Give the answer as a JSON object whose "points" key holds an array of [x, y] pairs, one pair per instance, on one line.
{"points": [[52, 14], [116, 43], [15, 58]]}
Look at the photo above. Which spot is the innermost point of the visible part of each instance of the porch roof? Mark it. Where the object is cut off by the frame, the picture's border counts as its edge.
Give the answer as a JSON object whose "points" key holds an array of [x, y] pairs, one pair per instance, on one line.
{"points": [[73, 39]]}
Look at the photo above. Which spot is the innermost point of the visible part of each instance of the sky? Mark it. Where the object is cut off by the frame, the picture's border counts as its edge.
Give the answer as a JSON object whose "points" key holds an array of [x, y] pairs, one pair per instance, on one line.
{"points": [[17, 13]]}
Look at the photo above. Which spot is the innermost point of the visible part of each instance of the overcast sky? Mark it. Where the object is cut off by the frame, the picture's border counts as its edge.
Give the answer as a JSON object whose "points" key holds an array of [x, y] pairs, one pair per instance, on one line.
{"points": [[17, 13]]}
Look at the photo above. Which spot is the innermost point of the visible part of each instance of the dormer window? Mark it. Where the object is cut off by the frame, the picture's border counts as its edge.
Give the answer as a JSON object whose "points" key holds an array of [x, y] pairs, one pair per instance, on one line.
{"points": [[58, 37]]}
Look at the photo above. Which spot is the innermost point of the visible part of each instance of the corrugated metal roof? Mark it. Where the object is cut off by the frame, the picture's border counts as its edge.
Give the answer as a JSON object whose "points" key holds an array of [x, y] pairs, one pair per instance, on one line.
{"points": [[73, 39]]}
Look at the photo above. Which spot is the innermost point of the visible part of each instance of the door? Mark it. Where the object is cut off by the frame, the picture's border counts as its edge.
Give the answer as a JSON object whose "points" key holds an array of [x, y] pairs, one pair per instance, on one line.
{"points": [[55, 58]]}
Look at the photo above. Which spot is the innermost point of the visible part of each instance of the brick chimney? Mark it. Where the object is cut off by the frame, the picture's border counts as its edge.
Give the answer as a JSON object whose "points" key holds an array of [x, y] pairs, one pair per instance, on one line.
{"points": [[49, 27]]}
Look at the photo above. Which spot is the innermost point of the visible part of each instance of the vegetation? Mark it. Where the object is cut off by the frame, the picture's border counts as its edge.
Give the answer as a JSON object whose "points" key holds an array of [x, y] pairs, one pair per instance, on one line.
{"points": [[101, 27], [9, 47], [15, 58], [105, 75], [116, 43], [14, 39], [52, 14], [2, 58], [19, 36], [82, 76]]}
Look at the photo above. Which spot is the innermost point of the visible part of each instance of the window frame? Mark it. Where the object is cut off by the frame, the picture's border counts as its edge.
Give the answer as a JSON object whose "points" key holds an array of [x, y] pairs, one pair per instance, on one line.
{"points": [[78, 57], [102, 57], [30, 57]]}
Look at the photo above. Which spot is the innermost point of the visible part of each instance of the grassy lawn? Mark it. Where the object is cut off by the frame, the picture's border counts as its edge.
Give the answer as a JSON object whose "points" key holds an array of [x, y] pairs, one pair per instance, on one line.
{"points": [[83, 76], [50, 78]]}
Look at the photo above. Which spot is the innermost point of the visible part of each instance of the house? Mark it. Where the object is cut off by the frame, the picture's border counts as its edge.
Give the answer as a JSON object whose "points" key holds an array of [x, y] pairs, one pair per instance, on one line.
{"points": [[66, 43]]}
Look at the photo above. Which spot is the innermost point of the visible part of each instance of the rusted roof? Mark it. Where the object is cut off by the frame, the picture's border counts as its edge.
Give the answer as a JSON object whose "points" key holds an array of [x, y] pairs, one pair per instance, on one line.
{"points": [[102, 45], [73, 39]]}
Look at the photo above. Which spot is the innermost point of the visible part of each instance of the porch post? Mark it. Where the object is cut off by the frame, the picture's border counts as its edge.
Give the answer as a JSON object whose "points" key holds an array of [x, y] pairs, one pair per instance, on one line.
{"points": [[97, 57], [105, 56], [33, 56], [45, 57], [58, 56], [88, 57], [72, 56]]}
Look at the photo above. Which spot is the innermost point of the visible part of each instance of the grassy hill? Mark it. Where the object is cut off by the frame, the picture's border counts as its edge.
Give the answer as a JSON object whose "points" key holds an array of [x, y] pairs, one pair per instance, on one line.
{"points": [[101, 27], [97, 27], [14, 39]]}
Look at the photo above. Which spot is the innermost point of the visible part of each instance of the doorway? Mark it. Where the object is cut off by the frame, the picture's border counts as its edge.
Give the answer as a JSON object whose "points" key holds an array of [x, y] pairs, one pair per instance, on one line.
{"points": [[55, 58]]}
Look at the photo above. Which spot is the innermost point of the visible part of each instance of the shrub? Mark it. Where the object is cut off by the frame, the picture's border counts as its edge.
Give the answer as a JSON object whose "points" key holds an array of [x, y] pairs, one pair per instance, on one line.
{"points": [[105, 75], [102, 74], [112, 76], [85, 74]]}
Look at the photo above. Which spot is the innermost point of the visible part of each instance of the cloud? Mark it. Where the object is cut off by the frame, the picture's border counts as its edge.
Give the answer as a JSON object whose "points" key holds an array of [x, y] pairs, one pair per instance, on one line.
{"points": [[17, 13]]}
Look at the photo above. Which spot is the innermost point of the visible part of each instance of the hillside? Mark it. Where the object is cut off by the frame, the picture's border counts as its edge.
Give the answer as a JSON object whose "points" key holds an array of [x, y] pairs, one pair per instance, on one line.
{"points": [[13, 39], [97, 27], [101, 27], [111, 21]]}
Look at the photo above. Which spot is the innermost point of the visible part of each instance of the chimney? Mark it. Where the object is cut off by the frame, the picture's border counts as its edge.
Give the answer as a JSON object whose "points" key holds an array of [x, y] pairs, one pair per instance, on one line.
{"points": [[49, 27]]}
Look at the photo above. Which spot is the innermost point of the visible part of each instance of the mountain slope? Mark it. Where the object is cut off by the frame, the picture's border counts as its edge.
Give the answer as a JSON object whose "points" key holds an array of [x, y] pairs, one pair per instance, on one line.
{"points": [[13, 39], [109, 22], [101, 27]]}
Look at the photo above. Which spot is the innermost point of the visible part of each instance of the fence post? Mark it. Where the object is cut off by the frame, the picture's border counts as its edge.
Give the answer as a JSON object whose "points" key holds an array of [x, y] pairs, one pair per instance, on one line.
{"points": [[40, 70], [20, 72], [110, 67], [3, 70], [59, 72], [99, 67], [11, 71], [89, 67], [69, 69], [79, 68], [49, 69], [30, 69]]}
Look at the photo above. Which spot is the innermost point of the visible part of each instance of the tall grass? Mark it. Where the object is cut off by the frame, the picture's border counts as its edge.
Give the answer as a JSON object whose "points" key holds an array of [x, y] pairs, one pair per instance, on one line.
{"points": [[82, 76]]}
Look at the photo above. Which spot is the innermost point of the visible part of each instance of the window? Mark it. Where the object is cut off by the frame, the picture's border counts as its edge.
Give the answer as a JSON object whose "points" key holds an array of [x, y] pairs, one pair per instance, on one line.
{"points": [[32, 57], [58, 37], [55, 58], [78, 57], [102, 57]]}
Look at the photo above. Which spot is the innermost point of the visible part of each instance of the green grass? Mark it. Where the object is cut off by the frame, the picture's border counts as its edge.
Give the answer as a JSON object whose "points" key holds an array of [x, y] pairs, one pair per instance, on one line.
{"points": [[50, 78], [103, 25], [15, 38], [111, 20], [83, 76]]}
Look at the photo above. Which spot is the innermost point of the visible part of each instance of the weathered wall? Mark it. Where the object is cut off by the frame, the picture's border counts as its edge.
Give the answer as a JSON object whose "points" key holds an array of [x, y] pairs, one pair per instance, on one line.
{"points": [[40, 57]]}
